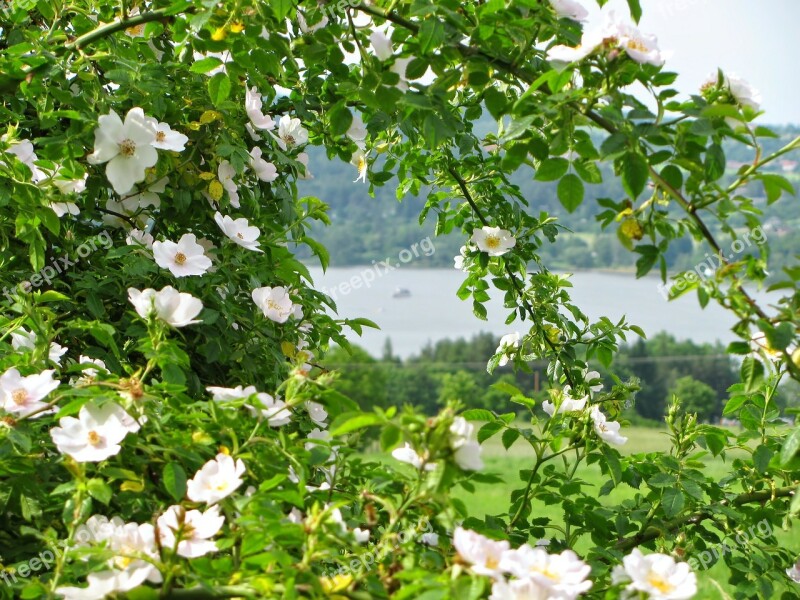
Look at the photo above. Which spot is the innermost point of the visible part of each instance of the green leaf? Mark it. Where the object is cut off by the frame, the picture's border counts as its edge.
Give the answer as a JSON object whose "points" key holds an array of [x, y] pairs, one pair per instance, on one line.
{"points": [[219, 87], [281, 8], [752, 374], [509, 437], [490, 429], [775, 186], [431, 35], [552, 169], [174, 479], [761, 458], [612, 463], [672, 501], [478, 414], [350, 422], [341, 119], [517, 128], [570, 192], [636, 9], [635, 173], [790, 447], [662, 480], [390, 437], [99, 490], [205, 65], [715, 163]]}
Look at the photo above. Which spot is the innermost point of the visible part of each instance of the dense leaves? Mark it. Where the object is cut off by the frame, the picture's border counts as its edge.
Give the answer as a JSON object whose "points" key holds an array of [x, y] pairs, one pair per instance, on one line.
{"points": [[169, 427]]}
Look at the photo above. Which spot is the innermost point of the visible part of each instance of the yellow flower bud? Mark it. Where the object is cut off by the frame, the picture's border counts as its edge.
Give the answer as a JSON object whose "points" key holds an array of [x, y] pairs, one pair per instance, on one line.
{"points": [[215, 190]]}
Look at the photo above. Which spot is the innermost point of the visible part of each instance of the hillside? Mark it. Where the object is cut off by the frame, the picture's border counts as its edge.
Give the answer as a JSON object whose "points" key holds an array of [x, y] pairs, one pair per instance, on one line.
{"points": [[366, 229]]}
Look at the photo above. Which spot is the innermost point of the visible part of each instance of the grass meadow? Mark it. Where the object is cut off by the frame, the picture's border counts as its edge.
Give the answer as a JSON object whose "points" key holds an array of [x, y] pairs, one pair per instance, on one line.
{"points": [[493, 498]]}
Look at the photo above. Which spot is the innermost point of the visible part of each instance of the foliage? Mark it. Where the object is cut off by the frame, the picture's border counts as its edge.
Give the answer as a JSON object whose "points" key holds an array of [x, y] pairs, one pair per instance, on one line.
{"points": [[207, 455]]}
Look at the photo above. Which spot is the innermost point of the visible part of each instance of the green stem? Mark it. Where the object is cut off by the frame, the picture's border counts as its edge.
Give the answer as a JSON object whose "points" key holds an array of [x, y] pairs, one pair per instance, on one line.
{"points": [[700, 516], [120, 25]]}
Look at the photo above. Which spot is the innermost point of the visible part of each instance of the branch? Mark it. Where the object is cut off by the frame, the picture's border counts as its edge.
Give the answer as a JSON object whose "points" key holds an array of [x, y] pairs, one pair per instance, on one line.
{"points": [[512, 276], [700, 516], [511, 68], [120, 25]]}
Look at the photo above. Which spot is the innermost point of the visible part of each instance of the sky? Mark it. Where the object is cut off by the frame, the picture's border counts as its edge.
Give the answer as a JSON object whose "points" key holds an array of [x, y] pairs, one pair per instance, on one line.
{"points": [[756, 39]]}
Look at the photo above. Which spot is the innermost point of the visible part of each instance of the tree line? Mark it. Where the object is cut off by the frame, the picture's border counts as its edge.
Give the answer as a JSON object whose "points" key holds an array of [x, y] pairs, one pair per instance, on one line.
{"points": [[699, 374]]}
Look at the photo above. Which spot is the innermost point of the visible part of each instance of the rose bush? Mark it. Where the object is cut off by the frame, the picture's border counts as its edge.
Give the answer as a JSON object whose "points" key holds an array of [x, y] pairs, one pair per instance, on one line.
{"points": [[168, 426]]}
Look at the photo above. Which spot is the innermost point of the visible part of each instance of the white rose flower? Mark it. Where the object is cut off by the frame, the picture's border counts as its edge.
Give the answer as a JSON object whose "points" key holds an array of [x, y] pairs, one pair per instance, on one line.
{"points": [[357, 130], [101, 585], [593, 376], [24, 151], [407, 454], [177, 309], [65, 208], [359, 161], [361, 535], [166, 138], [306, 28], [217, 479], [92, 372], [184, 258], [658, 575], [317, 412], [96, 434], [493, 240], [638, 46], [568, 405], [239, 231], [69, 186], [253, 105], [317, 435], [126, 146], [562, 575], [225, 174], [569, 9], [520, 589], [275, 411], [274, 302], [468, 456], [265, 171], [302, 158], [509, 343], [141, 238], [24, 340], [291, 133], [191, 529], [136, 199], [608, 431], [744, 93], [483, 555], [794, 572], [25, 395], [458, 261], [430, 538], [466, 451], [381, 44]]}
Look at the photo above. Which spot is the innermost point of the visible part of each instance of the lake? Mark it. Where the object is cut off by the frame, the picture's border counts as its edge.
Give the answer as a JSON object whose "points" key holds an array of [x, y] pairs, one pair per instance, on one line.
{"points": [[432, 311]]}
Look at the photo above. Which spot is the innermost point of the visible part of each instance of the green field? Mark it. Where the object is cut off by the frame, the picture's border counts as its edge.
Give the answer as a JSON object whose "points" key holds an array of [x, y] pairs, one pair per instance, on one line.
{"points": [[494, 498]]}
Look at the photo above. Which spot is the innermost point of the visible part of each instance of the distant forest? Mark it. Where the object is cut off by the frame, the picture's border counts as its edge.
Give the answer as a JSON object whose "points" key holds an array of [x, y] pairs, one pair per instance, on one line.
{"points": [[700, 374], [366, 229]]}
